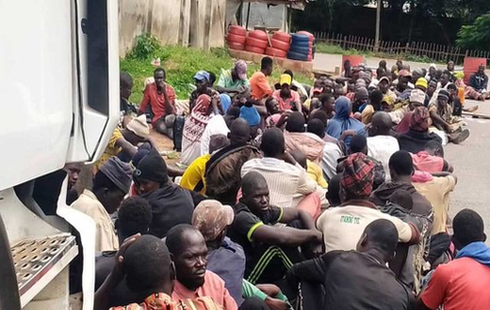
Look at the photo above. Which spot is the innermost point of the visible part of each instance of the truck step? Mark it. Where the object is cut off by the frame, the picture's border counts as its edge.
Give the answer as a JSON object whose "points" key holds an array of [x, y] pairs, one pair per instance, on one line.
{"points": [[35, 259]]}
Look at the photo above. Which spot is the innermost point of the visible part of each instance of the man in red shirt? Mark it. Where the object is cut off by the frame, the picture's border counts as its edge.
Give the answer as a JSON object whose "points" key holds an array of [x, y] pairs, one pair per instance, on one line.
{"points": [[462, 283], [161, 98]]}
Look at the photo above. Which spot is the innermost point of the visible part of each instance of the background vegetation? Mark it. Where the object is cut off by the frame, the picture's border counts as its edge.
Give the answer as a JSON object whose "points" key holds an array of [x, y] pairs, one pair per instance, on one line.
{"points": [[180, 64]]}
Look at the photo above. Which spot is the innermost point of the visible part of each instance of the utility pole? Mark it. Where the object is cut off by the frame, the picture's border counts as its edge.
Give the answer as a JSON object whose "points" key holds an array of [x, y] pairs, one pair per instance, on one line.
{"points": [[378, 21]]}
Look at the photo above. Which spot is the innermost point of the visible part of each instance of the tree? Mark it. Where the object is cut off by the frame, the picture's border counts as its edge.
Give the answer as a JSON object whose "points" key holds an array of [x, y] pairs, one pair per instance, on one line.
{"points": [[477, 35]]}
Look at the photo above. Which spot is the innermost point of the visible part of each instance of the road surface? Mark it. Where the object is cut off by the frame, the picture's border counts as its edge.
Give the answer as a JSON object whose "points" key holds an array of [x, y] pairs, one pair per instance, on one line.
{"points": [[471, 159]]}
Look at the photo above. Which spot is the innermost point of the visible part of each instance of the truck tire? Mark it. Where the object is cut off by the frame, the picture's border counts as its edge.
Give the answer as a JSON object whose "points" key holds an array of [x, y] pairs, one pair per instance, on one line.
{"points": [[238, 30], [275, 52], [282, 36], [297, 56], [281, 45], [254, 49], [256, 42], [299, 38], [258, 34], [310, 36], [236, 46], [236, 38], [300, 50]]}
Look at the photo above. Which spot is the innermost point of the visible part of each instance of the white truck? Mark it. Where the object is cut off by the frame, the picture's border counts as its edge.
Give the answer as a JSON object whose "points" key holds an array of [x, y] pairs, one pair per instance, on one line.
{"points": [[59, 94]]}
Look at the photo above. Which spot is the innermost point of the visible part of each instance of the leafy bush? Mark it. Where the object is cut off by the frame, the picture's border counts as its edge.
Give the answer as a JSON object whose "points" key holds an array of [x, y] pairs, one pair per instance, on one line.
{"points": [[146, 47], [477, 35]]}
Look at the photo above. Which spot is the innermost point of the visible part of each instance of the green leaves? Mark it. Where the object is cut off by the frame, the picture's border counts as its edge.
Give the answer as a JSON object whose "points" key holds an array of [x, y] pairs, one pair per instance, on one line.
{"points": [[477, 35]]}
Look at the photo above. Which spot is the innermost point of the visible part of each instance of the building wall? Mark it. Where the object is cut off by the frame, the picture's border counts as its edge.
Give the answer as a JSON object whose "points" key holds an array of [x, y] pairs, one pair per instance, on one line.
{"points": [[198, 23]]}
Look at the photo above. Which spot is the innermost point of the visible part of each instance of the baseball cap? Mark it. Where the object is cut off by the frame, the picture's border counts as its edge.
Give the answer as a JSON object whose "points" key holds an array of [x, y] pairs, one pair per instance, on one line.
{"points": [[285, 79], [241, 69], [421, 82], [201, 75], [139, 126], [384, 78], [417, 96], [404, 72], [210, 217]]}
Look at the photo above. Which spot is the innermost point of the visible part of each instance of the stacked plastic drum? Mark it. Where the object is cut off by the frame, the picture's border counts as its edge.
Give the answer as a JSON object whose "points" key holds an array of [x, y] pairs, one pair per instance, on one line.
{"points": [[280, 44], [301, 47], [236, 37], [256, 42], [311, 42]]}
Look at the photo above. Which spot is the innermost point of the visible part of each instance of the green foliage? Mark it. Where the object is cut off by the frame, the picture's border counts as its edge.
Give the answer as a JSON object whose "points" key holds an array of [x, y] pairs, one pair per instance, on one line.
{"points": [[180, 64], [146, 46], [477, 35]]}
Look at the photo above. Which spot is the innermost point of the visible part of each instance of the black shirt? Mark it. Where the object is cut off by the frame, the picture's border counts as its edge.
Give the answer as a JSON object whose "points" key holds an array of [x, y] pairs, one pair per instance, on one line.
{"points": [[274, 260], [414, 141], [353, 280]]}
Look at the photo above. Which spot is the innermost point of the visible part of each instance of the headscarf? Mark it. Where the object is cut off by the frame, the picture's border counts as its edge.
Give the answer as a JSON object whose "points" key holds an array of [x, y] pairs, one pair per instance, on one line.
{"points": [[342, 120], [420, 119], [358, 175], [198, 120], [225, 101]]}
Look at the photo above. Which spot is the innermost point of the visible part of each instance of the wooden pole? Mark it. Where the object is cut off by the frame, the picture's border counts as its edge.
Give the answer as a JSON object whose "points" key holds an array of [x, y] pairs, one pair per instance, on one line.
{"points": [[378, 22]]}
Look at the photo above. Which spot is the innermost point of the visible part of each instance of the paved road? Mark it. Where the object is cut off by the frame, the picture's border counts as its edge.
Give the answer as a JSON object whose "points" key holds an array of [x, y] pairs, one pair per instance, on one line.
{"points": [[328, 62], [471, 160]]}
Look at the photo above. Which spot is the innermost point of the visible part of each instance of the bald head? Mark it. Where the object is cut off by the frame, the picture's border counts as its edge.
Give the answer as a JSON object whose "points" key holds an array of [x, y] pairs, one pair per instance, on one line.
{"points": [[273, 143], [380, 124], [239, 131], [380, 235], [251, 181]]}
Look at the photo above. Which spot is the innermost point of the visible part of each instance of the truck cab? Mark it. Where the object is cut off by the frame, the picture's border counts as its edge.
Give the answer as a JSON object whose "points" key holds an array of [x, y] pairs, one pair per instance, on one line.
{"points": [[59, 92]]}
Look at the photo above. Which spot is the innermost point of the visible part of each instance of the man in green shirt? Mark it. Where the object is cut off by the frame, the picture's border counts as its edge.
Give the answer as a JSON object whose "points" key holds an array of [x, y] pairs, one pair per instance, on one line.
{"points": [[234, 81]]}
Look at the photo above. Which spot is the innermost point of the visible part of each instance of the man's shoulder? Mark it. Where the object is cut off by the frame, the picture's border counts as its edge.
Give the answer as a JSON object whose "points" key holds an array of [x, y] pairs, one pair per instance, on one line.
{"points": [[213, 280]]}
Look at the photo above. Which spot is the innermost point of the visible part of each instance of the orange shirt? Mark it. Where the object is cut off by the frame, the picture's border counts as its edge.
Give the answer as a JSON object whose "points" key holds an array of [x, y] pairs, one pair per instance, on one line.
{"points": [[213, 287], [459, 284], [157, 101], [259, 86]]}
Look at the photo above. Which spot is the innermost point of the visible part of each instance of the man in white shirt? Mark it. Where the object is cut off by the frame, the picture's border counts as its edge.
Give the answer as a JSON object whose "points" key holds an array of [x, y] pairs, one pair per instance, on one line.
{"points": [[342, 226], [380, 144], [285, 177], [111, 184]]}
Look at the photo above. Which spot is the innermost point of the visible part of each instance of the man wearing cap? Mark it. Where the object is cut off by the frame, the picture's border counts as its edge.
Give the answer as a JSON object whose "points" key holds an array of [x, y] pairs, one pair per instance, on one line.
{"points": [[342, 227], [384, 86], [111, 184], [203, 87], [259, 84], [403, 86], [123, 142], [287, 98], [441, 114], [234, 81], [416, 99], [159, 97], [170, 203]]}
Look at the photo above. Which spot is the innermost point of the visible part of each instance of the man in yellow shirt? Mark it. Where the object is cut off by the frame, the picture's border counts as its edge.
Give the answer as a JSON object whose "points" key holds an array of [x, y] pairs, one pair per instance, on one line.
{"points": [[126, 140]]}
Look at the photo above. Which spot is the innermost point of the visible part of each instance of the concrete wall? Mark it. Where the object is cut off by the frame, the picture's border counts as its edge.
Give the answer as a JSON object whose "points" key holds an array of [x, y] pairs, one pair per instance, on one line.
{"points": [[198, 23], [262, 15]]}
